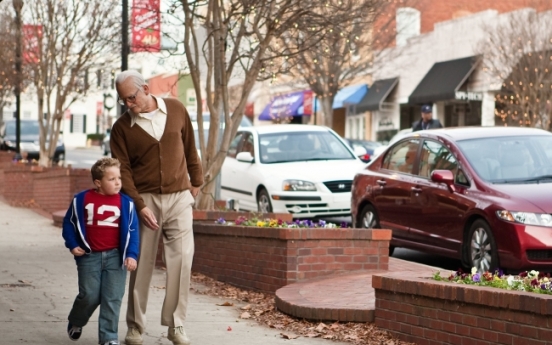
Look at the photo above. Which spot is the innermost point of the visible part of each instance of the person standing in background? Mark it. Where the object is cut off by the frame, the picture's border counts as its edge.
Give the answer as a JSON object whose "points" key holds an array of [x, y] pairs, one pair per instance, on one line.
{"points": [[161, 171], [426, 122]]}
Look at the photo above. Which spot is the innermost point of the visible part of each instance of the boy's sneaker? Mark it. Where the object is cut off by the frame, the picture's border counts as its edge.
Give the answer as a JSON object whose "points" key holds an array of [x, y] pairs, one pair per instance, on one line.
{"points": [[133, 337], [178, 336], [111, 342], [74, 332]]}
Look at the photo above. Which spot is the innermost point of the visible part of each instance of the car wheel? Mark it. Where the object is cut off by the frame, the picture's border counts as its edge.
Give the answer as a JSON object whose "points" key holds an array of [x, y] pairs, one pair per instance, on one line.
{"points": [[481, 248], [368, 219], [263, 202]]}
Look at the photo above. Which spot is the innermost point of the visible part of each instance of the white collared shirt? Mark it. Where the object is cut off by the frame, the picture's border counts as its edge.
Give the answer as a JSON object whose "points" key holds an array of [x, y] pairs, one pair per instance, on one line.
{"points": [[153, 122]]}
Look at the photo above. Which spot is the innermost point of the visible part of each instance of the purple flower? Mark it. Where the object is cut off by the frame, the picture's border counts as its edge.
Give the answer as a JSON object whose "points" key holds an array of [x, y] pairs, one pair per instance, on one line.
{"points": [[476, 278], [343, 225], [221, 221], [321, 223]]}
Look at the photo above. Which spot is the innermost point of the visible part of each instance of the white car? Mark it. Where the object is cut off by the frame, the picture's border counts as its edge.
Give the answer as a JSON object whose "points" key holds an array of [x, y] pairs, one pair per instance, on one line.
{"points": [[305, 170]]}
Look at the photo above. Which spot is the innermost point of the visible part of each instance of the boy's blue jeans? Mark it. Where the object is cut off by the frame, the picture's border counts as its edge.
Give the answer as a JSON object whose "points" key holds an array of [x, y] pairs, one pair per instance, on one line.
{"points": [[102, 283]]}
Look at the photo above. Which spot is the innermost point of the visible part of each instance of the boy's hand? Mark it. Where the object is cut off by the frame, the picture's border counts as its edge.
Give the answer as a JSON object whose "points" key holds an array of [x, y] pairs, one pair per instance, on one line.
{"points": [[130, 264], [78, 251]]}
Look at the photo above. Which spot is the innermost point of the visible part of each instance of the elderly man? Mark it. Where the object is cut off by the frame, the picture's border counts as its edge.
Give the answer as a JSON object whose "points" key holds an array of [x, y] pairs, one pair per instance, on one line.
{"points": [[161, 171], [426, 122]]}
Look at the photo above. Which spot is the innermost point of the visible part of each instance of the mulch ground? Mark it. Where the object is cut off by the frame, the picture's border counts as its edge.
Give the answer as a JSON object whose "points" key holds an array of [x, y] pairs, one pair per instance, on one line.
{"points": [[260, 307]]}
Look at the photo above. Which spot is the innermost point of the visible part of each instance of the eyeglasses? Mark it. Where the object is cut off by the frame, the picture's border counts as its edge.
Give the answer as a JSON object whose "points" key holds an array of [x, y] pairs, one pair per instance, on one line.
{"points": [[131, 99]]}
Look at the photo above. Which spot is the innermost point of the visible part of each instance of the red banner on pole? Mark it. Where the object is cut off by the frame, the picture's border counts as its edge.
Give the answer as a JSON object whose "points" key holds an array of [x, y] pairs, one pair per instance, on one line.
{"points": [[146, 26], [307, 102], [99, 108], [32, 35]]}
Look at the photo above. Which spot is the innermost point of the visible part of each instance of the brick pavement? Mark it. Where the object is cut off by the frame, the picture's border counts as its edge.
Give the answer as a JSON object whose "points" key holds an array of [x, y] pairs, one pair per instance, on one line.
{"points": [[344, 298]]}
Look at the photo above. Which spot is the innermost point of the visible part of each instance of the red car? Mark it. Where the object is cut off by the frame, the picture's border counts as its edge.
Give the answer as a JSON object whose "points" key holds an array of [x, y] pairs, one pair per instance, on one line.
{"points": [[479, 194]]}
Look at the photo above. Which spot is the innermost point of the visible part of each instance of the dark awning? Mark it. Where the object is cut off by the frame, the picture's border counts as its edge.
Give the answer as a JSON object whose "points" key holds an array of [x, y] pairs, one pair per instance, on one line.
{"points": [[443, 80], [377, 93]]}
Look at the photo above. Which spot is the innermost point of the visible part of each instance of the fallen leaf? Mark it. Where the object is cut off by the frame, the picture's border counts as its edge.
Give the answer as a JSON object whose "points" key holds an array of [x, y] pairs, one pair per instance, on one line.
{"points": [[247, 307], [312, 335], [229, 329], [334, 326], [159, 287], [226, 304], [289, 336], [245, 315], [24, 281], [328, 336], [12, 309], [320, 327]]}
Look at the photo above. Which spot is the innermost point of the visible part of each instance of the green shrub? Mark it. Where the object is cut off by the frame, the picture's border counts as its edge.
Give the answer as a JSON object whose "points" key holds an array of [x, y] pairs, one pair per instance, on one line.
{"points": [[95, 136]]}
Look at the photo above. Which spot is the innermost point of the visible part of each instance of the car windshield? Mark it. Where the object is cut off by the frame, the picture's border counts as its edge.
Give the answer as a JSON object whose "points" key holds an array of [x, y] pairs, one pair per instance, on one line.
{"points": [[27, 128], [519, 159], [301, 146]]}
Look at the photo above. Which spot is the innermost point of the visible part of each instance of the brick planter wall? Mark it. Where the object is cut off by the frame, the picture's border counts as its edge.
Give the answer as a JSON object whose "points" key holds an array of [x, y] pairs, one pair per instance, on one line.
{"points": [[6, 158], [50, 189], [54, 189], [424, 311], [266, 259], [205, 216], [18, 184]]}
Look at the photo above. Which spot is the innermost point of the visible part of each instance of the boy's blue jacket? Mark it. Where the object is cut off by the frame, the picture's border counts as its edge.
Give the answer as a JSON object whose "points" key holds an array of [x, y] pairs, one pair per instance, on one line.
{"points": [[74, 230]]}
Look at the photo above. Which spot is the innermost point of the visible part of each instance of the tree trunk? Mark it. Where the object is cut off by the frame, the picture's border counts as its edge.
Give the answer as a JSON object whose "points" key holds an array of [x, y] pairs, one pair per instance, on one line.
{"points": [[206, 197], [327, 111]]}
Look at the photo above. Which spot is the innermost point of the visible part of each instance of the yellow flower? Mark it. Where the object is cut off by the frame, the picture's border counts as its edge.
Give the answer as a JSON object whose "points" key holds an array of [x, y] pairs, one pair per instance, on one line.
{"points": [[273, 223], [261, 223], [474, 270]]}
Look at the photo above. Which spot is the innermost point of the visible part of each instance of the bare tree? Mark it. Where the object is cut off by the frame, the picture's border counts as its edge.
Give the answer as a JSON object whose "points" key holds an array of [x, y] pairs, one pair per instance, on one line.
{"points": [[517, 54], [235, 39], [346, 49], [7, 57], [71, 36]]}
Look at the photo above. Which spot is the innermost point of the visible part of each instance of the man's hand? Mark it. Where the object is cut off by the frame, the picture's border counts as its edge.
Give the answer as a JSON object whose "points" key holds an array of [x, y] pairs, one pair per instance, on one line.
{"points": [[194, 191], [147, 216]]}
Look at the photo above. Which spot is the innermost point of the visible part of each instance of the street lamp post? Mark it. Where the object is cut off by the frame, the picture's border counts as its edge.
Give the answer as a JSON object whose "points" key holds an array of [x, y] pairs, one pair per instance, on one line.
{"points": [[125, 45], [18, 6]]}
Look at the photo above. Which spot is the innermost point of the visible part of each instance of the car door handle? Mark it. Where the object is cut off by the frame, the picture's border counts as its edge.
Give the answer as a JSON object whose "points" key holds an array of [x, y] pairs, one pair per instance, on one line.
{"points": [[416, 189], [381, 182]]}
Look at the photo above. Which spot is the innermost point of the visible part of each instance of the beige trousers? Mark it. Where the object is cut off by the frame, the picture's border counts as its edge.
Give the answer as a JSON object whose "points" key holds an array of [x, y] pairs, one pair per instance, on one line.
{"points": [[174, 216]]}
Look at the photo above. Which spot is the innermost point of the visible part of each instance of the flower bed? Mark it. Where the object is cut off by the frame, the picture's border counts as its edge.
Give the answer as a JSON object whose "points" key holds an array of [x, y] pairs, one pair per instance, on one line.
{"points": [[425, 310], [273, 253], [530, 281]]}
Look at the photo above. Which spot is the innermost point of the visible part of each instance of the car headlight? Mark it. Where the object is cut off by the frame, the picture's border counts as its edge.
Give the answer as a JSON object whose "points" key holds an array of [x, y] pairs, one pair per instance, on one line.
{"points": [[298, 185], [527, 218]]}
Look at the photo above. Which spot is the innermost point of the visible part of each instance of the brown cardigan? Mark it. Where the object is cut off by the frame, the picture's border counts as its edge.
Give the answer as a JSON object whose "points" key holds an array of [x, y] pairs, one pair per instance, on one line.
{"points": [[151, 166]]}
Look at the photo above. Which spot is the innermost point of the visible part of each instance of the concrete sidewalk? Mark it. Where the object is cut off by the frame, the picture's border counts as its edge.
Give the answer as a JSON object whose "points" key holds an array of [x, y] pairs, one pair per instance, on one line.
{"points": [[38, 283]]}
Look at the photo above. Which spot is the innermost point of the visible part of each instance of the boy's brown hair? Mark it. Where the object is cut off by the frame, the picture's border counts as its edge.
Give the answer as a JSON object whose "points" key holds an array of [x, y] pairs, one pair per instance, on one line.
{"points": [[98, 169]]}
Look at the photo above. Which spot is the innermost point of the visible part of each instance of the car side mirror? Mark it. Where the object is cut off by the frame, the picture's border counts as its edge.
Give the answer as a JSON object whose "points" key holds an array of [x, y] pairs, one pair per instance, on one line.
{"points": [[245, 157], [444, 176]]}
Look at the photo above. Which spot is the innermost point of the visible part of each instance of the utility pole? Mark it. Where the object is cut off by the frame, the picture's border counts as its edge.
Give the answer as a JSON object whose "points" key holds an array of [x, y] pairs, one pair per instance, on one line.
{"points": [[18, 6], [125, 44]]}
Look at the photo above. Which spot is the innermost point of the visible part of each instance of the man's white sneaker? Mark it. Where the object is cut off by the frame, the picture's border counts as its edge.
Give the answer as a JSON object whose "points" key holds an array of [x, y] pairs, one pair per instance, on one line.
{"points": [[178, 336], [133, 337]]}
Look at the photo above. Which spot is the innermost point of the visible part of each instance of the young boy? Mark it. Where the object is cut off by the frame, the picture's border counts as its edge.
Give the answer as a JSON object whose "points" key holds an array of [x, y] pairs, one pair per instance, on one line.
{"points": [[100, 229]]}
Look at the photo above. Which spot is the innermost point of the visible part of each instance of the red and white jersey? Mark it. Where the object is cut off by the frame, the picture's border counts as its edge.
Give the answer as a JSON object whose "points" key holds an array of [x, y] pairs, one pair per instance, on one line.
{"points": [[102, 214]]}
